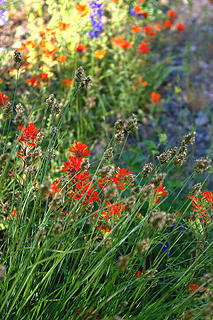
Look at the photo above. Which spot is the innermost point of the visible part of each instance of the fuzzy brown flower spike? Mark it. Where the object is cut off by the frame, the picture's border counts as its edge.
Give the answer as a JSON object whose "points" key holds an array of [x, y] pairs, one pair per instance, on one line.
{"points": [[188, 139], [202, 164], [2, 271], [18, 58], [124, 261], [143, 245], [147, 169], [157, 220], [130, 125], [196, 188], [158, 179], [119, 131], [8, 109]]}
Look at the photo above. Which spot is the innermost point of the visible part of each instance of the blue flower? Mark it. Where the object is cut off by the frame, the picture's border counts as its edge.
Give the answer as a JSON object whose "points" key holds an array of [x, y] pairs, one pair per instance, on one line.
{"points": [[96, 16], [3, 17], [165, 247], [179, 227], [2, 2]]}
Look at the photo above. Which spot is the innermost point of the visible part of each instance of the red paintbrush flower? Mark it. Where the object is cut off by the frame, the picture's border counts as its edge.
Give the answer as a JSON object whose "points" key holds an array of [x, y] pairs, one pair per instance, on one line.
{"points": [[3, 99], [30, 135], [80, 150]]}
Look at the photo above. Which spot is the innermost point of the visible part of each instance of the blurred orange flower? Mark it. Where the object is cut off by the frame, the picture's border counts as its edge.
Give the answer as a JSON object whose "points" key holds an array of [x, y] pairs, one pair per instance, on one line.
{"points": [[120, 42], [144, 48], [136, 29], [62, 58], [99, 54], [33, 82], [155, 97], [137, 9], [82, 9], [180, 27], [3, 99], [67, 82], [171, 14], [158, 27], [63, 26], [167, 24], [80, 47]]}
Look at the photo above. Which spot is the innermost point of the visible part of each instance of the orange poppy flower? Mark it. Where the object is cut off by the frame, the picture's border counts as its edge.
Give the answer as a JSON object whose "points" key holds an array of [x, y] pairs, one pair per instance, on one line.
{"points": [[149, 31], [136, 29], [62, 59], [99, 54], [158, 27], [63, 26], [144, 48], [137, 9], [33, 82], [82, 9], [171, 14], [180, 27], [155, 97], [67, 82], [120, 42], [167, 24], [80, 47]]}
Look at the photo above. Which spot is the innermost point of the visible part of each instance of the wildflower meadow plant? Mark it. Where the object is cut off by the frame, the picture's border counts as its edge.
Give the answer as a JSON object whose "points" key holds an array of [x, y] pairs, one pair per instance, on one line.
{"points": [[85, 234]]}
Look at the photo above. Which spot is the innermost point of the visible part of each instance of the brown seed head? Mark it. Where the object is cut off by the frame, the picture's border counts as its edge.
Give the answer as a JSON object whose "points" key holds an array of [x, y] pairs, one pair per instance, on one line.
{"points": [[124, 261], [170, 219], [108, 154], [188, 139], [147, 169], [158, 179], [202, 164], [2, 271], [157, 220], [143, 245], [8, 109]]}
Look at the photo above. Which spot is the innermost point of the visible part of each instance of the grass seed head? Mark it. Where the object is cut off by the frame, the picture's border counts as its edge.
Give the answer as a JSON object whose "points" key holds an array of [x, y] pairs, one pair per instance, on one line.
{"points": [[158, 179], [45, 188], [130, 125], [3, 159], [18, 58], [119, 137], [143, 245], [107, 243], [165, 156], [196, 188], [157, 220], [108, 154], [2, 271], [188, 139], [57, 229], [106, 171], [146, 192], [147, 169], [170, 219], [8, 109], [124, 261], [202, 164]]}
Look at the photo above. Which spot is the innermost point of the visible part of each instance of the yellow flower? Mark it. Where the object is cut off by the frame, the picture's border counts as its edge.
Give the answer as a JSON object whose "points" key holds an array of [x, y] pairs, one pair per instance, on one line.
{"points": [[177, 90], [99, 54]]}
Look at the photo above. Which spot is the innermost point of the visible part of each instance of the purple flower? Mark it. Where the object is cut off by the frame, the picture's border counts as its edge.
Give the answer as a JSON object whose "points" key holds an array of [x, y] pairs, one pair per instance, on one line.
{"points": [[2, 2], [3, 17], [179, 227], [96, 16], [165, 247]]}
